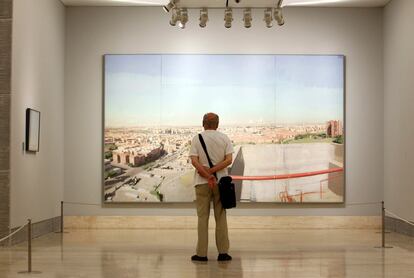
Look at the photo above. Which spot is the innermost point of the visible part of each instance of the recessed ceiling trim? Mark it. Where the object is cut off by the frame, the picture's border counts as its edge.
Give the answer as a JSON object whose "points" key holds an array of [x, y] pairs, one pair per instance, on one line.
{"points": [[221, 3]]}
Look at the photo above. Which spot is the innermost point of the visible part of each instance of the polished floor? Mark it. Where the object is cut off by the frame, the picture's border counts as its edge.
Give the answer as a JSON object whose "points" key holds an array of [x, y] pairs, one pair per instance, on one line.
{"points": [[256, 253]]}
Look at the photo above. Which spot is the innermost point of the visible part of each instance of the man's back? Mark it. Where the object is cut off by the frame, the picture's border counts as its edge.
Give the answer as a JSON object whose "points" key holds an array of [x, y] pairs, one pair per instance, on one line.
{"points": [[218, 146]]}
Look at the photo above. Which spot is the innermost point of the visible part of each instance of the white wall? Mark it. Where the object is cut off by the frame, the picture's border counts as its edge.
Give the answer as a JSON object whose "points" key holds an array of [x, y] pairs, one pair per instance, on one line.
{"points": [[399, 107], [38, 83], [92, 32]]}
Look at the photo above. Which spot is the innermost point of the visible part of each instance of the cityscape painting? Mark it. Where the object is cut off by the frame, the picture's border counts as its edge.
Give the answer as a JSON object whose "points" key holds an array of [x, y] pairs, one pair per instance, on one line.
{"points": [[283, 113]]}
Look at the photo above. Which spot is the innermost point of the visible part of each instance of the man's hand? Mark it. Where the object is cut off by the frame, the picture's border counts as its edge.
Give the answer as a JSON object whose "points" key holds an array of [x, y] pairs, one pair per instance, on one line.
{"points": [[199, 167], [207, 172], [212, 182]]}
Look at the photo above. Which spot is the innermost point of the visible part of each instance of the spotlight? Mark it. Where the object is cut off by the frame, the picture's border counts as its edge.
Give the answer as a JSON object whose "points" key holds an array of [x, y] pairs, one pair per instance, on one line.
{"points": [[203, 17], [183, 18], [247, 17], [172, 4], [277, 14], [175, 16], [268, 17], [228, 17]]}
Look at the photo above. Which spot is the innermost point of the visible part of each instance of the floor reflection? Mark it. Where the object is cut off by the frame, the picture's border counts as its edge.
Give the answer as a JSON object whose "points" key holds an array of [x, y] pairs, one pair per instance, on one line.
{"points": [[256, 253]]}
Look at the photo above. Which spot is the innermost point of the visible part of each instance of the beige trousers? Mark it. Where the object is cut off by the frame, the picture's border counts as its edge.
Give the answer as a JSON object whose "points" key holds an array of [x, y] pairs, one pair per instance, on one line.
{"points": [[204, 195]]}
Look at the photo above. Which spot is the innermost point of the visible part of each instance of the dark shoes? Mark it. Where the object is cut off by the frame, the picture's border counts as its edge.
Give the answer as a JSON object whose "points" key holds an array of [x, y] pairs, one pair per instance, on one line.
{"points": [[199, 259], [224, 257], [220, 258]]}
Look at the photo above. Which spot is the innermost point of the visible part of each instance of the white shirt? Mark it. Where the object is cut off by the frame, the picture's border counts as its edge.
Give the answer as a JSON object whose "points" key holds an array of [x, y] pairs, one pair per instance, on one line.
{"points": [[218, 146]]}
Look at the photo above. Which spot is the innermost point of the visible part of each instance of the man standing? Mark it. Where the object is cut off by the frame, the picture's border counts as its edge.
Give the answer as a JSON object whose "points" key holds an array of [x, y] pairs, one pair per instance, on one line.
{"points": [[220, 150]]}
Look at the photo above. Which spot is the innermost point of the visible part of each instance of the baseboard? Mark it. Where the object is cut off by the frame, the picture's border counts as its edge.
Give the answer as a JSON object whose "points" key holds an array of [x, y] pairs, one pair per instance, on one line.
{"points": [[38, 229], [234, 222], [399, 226]]}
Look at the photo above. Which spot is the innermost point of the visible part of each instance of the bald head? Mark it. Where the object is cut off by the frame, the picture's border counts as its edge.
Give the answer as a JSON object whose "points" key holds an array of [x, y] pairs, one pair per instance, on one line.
{"points": [[210, 121]]}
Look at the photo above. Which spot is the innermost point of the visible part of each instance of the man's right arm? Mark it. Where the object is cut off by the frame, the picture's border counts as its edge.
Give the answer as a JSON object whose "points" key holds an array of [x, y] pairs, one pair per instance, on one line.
{"points": [[223, 164], [199, 167], [202, 171], [195, 159]]}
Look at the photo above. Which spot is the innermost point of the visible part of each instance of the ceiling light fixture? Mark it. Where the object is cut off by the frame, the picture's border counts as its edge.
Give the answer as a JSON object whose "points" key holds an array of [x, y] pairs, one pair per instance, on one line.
{"points": [[175, 16], [228, 17], [278, 15], [247, 17], [203, 17], [268, 19], [183, 18], [172, 4]]}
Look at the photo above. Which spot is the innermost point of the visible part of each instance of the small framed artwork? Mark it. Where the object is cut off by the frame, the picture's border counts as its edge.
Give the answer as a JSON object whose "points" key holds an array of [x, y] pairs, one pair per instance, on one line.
{"points": [[32, 130]]}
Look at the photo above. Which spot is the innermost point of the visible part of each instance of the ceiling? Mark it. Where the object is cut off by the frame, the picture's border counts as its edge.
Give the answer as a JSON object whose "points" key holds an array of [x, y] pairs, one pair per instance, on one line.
{"points": [[221, 3]]}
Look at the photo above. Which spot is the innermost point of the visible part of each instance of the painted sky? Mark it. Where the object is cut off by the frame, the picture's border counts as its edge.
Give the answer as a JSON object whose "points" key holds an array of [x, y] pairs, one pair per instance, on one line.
{"points": [[146, 90]]}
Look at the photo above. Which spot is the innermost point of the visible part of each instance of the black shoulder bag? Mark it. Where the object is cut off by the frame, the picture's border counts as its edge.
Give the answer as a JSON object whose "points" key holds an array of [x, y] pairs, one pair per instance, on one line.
{"points": [[225, 185]]}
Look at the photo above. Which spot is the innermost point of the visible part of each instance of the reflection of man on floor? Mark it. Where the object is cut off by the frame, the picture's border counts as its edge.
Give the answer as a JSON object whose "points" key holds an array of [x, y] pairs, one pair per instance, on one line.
{"points": [[220, 150]]}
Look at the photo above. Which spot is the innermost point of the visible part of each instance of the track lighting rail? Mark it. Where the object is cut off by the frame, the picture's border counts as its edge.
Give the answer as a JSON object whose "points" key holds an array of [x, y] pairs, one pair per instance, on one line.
{"points": [[180, 15]]}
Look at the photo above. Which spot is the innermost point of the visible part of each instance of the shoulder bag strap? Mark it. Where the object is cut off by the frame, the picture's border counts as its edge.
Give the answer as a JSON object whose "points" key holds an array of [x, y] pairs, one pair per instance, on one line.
{"points": [[203, 144]]}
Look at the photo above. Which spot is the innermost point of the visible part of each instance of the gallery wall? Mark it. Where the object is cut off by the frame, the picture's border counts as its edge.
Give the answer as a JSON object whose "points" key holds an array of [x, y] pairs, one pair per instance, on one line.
{"points": [[398, 107], [92, 32], [37, 82]]}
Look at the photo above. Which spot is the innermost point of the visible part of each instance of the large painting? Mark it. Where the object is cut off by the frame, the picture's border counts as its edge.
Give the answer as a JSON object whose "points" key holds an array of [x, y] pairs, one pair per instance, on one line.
{"points": [[283, 113]]}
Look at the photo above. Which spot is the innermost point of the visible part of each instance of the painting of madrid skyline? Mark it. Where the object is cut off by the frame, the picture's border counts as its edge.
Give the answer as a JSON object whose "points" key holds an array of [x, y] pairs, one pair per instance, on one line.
{"points": [[283, 113]]}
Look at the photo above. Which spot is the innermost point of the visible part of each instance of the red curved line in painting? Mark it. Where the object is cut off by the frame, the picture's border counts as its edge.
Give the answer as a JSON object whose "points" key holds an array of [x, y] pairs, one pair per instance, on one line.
{"points": [[287, 176]]}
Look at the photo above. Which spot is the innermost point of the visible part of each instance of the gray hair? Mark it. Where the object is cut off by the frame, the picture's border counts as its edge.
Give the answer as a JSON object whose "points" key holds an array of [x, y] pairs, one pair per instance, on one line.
{"points": [[210, 120]]}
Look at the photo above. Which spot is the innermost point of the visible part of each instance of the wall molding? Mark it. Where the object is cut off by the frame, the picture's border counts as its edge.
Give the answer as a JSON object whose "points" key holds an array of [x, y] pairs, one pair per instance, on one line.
{"points": [[234, 222]]}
